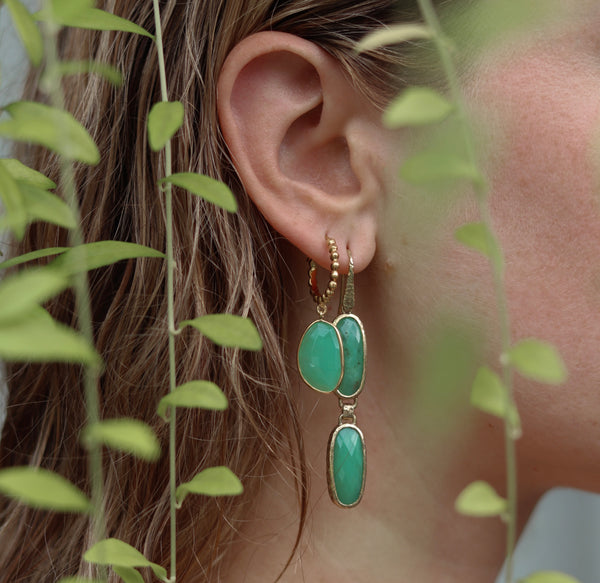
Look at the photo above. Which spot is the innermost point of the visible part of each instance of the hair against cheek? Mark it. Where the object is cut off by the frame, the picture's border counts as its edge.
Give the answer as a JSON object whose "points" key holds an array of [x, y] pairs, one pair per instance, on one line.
{"points": [[225, 263]]}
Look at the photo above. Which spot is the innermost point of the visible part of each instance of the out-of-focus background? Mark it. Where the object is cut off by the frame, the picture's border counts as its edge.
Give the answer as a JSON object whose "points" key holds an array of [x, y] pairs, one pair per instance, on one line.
{"points": [[564, 532]]}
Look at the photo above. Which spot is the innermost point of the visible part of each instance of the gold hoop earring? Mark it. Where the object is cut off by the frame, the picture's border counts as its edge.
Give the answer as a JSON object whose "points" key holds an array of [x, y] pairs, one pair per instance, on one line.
{"points": [[332, 357]]}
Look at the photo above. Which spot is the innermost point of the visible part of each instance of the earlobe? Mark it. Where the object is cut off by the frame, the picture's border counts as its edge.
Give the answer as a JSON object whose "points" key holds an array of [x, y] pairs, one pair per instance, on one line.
{"points": [[300, 136]]}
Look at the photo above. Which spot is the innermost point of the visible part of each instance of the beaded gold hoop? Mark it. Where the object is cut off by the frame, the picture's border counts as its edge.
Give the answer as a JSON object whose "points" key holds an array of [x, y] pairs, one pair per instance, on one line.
{"points": [[321, 299]]}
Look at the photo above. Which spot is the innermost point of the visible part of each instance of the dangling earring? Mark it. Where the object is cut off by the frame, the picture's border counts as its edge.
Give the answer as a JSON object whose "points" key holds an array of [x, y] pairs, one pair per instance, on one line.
{"points": [[332, 357]]}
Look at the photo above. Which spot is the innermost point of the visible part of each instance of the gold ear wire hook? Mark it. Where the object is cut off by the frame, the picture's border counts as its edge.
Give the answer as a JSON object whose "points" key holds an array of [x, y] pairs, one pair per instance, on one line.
{"points": [[347, 288]]}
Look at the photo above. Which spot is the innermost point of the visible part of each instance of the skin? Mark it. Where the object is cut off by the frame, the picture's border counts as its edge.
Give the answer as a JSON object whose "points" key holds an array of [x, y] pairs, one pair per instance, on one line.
{"points": [[538, 95]]}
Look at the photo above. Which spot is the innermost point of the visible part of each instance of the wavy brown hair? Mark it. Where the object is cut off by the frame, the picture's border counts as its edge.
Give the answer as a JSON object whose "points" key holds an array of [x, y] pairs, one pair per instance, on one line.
{"points": [[225, 263]]}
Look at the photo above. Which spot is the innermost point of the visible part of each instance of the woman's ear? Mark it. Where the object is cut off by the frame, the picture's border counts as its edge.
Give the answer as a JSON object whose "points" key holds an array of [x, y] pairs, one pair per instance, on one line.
{"points": [[304, 143]]}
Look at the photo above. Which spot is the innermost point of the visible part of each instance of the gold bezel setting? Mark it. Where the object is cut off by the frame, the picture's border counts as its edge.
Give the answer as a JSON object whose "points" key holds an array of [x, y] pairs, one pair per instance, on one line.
{"points": [[364, 371], [330, 477]]}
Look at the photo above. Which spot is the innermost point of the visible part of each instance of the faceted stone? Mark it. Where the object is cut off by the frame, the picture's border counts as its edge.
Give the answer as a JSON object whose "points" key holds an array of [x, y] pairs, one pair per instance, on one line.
{"points": [[354, 355], [320, 356], [348, 465]]}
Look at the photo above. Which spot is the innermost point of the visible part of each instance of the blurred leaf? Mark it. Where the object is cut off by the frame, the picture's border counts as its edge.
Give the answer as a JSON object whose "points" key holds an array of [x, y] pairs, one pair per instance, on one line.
{"points": [[128, 574], [63, 9], [128, 435], [22, 291], [15, 216], [193, 395], [394, 34], [549, 577], [42, 205], [24, 174], [218, 481], [417, 106], [28, 30], [36, 337], [99, 254], [53, 128], [206, 187], [473, 26], [227, 330], [164, 119], [114, 552], [538, 360], [488, 393], [39, 488], [94, 19], [477, 236], [480, 499], [31, 256], [428, 168], [108, 72]]}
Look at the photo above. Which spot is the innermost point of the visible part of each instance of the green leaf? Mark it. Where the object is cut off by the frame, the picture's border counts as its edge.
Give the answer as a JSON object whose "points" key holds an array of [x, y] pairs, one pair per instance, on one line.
{"points": [[24, 174], [477, 236], [94, 19], [42, 205], [164, 119], [116, 553], [38, 338], [489, 394], [41, 488], [128, 435], [417, 106], [227, 330], [218, 481], [108, 72], [537, 360], [206, 187], [64, 9], [398, 33], [427, 168], [22, 291], [128, 574], [28, 31], [15, 217], [193, 395], [549, 577], [99, 254], [480, 499], [53, 128], [31, 256]]}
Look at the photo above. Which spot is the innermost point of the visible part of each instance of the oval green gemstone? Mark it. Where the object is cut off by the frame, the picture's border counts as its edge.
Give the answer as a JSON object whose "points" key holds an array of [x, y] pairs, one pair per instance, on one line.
{"points": [[320, 356], [354, 345], [347, 467]]}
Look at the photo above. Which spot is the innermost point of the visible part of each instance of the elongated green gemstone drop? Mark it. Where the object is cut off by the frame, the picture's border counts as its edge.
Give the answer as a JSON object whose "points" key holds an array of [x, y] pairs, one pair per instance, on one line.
{"points": [[347, 465], [353, 341], [320, 356]]}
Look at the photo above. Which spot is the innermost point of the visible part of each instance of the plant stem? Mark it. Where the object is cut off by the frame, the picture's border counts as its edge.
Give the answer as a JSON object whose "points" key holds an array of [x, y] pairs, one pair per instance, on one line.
{"points": [[170, 297], [53, 88], [481, 192]]}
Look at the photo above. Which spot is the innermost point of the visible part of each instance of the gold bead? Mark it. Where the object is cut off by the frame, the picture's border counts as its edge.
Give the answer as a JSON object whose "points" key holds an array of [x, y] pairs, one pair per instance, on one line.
{"points": [[334, 275], [332, 286], [335, 256], [335, 266]]}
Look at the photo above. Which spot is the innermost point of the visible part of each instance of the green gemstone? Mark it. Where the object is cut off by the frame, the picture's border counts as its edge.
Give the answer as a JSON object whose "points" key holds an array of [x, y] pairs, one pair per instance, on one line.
{"points": [[354, 345], [320, 356], [347, 465]]}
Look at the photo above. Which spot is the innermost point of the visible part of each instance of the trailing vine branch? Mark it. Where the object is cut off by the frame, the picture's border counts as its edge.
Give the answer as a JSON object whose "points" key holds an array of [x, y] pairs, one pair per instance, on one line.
{"points": [[481, 191], [53, 88], [170, 298]]}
